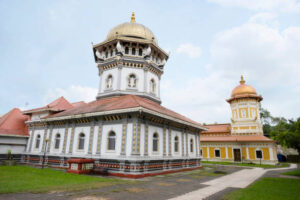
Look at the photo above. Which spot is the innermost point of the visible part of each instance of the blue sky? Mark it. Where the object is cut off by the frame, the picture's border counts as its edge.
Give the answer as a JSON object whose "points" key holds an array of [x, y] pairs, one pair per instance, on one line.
{"points": [[46, 51]]}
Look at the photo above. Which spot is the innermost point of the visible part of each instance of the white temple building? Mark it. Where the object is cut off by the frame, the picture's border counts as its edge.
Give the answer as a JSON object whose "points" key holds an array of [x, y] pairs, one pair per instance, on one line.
{"points": [[125, 129]]}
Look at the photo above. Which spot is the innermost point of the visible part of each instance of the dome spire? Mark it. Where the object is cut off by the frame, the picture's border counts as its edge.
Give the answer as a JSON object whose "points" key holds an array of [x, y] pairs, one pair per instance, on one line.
{"points": [[132, 18], [242, 80]]}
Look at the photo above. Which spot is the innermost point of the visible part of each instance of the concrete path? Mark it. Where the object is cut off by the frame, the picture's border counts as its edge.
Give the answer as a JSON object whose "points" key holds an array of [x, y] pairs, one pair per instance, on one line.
{"points": [[240, 179]]}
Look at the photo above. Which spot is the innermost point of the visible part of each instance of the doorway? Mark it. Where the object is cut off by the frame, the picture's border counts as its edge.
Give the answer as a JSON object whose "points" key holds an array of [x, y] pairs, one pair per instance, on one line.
{"points": [[237, 155]]}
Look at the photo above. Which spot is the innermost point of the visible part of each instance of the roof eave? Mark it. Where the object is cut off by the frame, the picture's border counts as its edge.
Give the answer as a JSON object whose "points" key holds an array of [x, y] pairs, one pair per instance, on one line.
{"points": [[120, 111]]}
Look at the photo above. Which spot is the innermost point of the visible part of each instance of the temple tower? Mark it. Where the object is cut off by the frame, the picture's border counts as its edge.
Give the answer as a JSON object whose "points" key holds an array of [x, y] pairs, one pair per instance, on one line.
{"points": [[244, 103], [130, 62]]}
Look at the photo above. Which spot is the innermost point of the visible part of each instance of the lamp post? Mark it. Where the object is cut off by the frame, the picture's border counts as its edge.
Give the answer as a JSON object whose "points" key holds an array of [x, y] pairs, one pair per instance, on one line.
{"points": [[45, 149]]}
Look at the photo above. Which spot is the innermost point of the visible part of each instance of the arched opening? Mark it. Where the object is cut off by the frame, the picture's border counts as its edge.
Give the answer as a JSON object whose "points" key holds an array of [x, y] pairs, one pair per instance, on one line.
{"points": [[126, 50], [133, 51], [191, 145], [176, 144], [37, 141], [152, 86], [81, 141], [155, 142], [132, 81], [111, 141], [140, 52], [109, 81], [57, 141]]}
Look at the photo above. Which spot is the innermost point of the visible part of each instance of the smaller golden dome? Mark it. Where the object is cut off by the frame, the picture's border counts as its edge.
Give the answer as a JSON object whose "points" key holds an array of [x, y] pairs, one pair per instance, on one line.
{"points": [[132, 30], [243, 89]]}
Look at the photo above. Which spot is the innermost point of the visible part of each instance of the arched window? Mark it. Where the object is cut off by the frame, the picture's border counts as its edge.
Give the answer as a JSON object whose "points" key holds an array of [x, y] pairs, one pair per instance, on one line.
{"points": [[253, 113], [111, 52], [57, 141], [126, 50], [81, 141], [106, 54], [243, 113], [132, 81], [155, 142], [176, 144], [152, 86], [112, 141], [140, 52], [191, 145], [37, 141], [133, 51], [109, 82]]}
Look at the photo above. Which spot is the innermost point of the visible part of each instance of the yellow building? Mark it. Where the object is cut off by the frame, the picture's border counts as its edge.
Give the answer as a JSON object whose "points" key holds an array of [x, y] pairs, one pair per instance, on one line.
{"points": [[242, 140]]}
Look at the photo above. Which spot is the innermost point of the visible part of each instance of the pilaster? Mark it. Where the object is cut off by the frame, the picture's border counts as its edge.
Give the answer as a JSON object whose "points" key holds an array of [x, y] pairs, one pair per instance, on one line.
{"points": [[72, 139]]}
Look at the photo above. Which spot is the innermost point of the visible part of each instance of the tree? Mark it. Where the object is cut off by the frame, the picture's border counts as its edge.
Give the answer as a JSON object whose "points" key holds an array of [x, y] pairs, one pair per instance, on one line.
{"points": [[267, 121], [287, 133]]}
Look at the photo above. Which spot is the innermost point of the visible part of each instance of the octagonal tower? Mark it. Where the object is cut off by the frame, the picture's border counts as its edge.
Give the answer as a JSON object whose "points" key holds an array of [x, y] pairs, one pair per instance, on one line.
{"points": [[130, 61], [244, 103]]}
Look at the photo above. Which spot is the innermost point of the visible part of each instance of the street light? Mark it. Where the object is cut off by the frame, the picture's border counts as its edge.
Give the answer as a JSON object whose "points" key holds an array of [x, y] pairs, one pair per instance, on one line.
{"points": [[46, 142]]}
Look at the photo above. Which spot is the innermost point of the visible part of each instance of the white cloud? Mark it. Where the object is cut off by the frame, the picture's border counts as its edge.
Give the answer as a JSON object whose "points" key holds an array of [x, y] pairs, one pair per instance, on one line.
{"points": [[267, 57], [200, 99], [262, 5], [265, 54], [191, 50], [265, 18], [73, 93]]}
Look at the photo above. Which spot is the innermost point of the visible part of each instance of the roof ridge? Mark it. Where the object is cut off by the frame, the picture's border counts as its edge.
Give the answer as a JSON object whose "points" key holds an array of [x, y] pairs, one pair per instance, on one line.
{"points": [[133, 97]]}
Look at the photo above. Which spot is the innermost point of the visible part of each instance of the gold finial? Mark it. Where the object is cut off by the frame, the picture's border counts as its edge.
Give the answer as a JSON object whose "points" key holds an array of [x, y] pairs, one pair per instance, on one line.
{"points": [[132, 18], [242, 80]]}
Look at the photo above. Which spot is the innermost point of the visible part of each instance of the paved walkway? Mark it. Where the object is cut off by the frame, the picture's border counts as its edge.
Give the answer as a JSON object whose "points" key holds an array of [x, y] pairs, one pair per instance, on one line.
{"points": [[240, 179]]}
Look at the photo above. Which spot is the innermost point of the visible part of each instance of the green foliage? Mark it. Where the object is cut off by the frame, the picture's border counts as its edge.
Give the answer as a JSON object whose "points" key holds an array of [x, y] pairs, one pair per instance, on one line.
{"points": [[269, 188], [8, 155], [29, 179], [293, 173], [287, 133]]}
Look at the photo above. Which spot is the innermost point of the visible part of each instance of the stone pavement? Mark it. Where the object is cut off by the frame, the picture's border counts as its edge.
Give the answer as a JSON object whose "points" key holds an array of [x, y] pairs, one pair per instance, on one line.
{"points": [[240, 179]]}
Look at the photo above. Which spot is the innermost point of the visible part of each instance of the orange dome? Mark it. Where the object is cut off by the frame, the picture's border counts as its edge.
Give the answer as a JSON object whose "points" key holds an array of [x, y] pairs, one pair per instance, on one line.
{"points": [[243, 89]]}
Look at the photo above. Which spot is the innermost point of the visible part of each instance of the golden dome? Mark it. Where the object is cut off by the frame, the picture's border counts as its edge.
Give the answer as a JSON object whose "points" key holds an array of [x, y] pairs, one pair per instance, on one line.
{"points": [[243, 89], [132, 30]]}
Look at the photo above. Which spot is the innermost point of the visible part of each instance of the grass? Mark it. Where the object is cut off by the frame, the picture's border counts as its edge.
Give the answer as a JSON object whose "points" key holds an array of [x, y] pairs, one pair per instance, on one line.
{"points": [[247, 164], [28, 179], [293, 173], [268, 188]]}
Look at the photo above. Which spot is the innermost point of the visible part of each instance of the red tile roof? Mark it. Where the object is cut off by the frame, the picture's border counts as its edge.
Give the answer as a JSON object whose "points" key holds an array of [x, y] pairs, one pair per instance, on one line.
{"points": [[59, 104], [13, 123], [122, 102], [231, 138], [217, 128], [79, 103]]}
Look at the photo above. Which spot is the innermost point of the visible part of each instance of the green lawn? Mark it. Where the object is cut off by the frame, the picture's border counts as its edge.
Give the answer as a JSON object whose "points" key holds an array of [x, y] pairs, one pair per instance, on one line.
{"points": [[29, 179], [268, 188], [293, 173], [247, 164]]}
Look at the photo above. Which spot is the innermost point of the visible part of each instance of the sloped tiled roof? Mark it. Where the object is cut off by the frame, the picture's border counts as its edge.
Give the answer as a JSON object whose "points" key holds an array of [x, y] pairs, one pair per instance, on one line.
{"points": [[13, 123], [217, 128], [79, 103], [59, 104], [122, 102], [231, 138]]}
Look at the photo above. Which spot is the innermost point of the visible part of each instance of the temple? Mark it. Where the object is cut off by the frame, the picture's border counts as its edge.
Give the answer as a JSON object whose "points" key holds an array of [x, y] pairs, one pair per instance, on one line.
{"points": [[242, 140], [125, 129]]}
